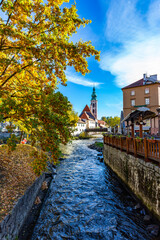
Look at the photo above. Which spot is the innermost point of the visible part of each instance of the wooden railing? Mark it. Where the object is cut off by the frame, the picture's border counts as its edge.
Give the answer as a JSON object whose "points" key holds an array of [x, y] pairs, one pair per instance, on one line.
{"points": [[148, 149]]}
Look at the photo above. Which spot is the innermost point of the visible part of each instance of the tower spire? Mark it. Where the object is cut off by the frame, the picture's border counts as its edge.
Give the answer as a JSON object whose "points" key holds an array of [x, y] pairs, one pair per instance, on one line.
{"points": [[94, 96], [93, 106]]}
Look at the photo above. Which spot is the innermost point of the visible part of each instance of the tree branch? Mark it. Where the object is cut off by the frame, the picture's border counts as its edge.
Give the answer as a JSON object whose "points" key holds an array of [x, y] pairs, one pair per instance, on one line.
{"points": [[17, 72], [7, 66], [1, 2]]}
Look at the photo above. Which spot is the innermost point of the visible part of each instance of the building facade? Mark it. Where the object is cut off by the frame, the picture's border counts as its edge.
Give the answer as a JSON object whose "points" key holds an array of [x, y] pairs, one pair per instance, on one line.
{"points": [[81, 126], [88, 117], [143, 93]]}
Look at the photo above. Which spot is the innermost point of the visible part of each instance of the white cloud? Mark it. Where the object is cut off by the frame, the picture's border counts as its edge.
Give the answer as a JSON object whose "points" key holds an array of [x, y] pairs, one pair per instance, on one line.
{"points": [[140, 43], [123, 21], [75, 78]]}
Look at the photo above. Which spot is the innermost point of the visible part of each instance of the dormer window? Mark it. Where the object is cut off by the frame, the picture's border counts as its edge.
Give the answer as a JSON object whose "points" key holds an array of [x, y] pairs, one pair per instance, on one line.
{"points": [[146, 90], [132, 93]]}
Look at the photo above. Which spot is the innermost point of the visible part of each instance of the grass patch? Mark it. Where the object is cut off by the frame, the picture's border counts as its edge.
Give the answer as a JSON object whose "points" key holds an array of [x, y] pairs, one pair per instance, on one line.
{"points": [[99, 144]]}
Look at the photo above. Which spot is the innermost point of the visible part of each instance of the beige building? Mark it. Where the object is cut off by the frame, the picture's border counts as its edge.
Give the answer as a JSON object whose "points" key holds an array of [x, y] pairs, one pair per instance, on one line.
{"points": [[143, 93]]}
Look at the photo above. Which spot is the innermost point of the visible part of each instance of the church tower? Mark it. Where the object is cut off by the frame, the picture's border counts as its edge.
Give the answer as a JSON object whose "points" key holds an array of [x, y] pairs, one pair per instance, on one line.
{"points": [[94, 104]]}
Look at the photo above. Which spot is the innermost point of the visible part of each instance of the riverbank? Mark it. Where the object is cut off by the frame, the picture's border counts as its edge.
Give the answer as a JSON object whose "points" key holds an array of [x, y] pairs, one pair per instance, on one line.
{"points": [[141, 179], [22, 192], [98, 146], [152, 222], [16, 175]]}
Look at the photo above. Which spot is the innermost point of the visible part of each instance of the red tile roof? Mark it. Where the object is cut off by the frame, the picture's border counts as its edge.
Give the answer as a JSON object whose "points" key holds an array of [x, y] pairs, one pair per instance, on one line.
{"points": [[101, 122], [84, 115], [86, 109], [87, 114], [135, 84]]}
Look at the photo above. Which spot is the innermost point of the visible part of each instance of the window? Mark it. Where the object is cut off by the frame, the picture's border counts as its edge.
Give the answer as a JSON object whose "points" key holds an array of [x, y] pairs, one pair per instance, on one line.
{"points": [[147, 101], [132, 93], [133, 102], [93, 104], [146, 90]]}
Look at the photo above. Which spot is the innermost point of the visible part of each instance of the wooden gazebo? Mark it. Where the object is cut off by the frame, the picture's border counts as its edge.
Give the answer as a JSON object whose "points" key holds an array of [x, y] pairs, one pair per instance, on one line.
{"points": [[138, 115]]}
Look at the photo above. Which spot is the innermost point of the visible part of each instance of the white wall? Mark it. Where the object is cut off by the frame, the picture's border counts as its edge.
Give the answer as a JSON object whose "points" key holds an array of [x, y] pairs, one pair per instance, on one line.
{"points": [[79, 128]]}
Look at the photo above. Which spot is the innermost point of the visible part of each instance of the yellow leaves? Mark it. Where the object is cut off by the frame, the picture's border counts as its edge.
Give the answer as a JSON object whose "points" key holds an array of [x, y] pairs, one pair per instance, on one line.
{"points": [[41, 31]]}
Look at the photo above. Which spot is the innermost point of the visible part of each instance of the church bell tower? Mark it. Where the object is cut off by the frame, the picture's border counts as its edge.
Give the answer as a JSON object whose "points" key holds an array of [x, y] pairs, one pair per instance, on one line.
{"points": [[93, 106]]}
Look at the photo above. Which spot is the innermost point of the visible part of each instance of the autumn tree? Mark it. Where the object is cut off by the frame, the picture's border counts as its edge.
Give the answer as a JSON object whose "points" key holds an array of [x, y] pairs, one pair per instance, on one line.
{"points": [[35, 39], [111, 121], [35, 50]]}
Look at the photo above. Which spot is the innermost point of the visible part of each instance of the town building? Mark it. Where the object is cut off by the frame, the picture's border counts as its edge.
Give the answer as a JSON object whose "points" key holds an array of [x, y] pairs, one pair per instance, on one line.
{"points": [[143, 93], [101, 124], [81, 126], [88, 117]]}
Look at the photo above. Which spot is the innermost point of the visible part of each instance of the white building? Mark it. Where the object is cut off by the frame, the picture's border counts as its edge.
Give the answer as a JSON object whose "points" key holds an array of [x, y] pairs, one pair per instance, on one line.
{"points": [[81, 126]]}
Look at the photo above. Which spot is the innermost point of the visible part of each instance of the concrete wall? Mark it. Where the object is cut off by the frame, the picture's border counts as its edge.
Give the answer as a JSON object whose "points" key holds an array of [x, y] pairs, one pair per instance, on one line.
{"points": [[11, 225], [143, 178]]}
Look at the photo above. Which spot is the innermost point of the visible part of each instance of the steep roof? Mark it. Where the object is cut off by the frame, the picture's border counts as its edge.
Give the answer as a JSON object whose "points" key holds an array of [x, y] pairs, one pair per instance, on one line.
{"points": [[84, 116], [87, 114], [142, 82], [135, 84], [86, 109], [81, 121]]}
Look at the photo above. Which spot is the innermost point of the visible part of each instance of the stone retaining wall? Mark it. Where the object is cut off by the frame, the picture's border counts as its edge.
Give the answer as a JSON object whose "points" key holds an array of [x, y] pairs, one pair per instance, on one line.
{"points": [[11, 225], [143, 178]]}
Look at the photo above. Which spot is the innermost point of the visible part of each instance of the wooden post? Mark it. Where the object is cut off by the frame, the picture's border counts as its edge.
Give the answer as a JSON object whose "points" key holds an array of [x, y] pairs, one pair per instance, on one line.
{"points": [[121, 143], [127, 128], [135, 147], [127, 145], [140, 131], [133, 130], [146, 150]]}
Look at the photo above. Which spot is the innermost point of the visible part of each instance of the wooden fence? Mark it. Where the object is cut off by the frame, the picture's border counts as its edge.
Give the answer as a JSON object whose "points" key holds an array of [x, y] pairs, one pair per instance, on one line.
{"points": [[146, 148]]}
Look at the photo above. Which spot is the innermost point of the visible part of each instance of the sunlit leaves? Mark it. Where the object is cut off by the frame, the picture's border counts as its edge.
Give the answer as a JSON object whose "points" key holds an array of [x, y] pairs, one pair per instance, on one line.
{"points": [[35, 34], [35, 50]]}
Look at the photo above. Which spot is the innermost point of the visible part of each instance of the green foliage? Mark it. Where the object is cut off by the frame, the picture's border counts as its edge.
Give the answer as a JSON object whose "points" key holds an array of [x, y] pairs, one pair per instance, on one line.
{"points": [[84, 135], [39, 163], [111, 121], [11, 142], [99, 144], [35, 50], [47, 116]]}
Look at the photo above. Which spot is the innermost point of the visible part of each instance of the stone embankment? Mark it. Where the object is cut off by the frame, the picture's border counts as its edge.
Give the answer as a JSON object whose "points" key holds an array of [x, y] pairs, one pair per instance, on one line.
{"points": [[142, 178], [20, 222], [120, 167]]}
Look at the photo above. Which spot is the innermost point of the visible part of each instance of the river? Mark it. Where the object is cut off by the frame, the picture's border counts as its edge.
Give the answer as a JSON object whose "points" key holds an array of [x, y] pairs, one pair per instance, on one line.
{"points": [[86, 201]]}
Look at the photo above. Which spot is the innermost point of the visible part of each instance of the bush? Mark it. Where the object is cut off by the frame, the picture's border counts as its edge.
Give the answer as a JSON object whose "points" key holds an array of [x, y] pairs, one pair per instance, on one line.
{"points": [[84, 135]]}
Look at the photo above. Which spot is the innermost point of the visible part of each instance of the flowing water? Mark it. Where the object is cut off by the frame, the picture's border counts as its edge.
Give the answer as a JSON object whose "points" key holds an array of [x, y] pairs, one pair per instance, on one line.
{"points": [[86, 201]]}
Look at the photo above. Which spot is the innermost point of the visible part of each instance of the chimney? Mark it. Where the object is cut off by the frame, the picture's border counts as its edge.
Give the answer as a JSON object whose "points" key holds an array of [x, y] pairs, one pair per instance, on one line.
{"points": [[144, 76]]}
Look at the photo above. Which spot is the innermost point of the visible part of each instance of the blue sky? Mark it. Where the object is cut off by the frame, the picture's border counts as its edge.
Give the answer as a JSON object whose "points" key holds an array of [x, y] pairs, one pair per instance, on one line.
{"points": [[128, 35]]}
